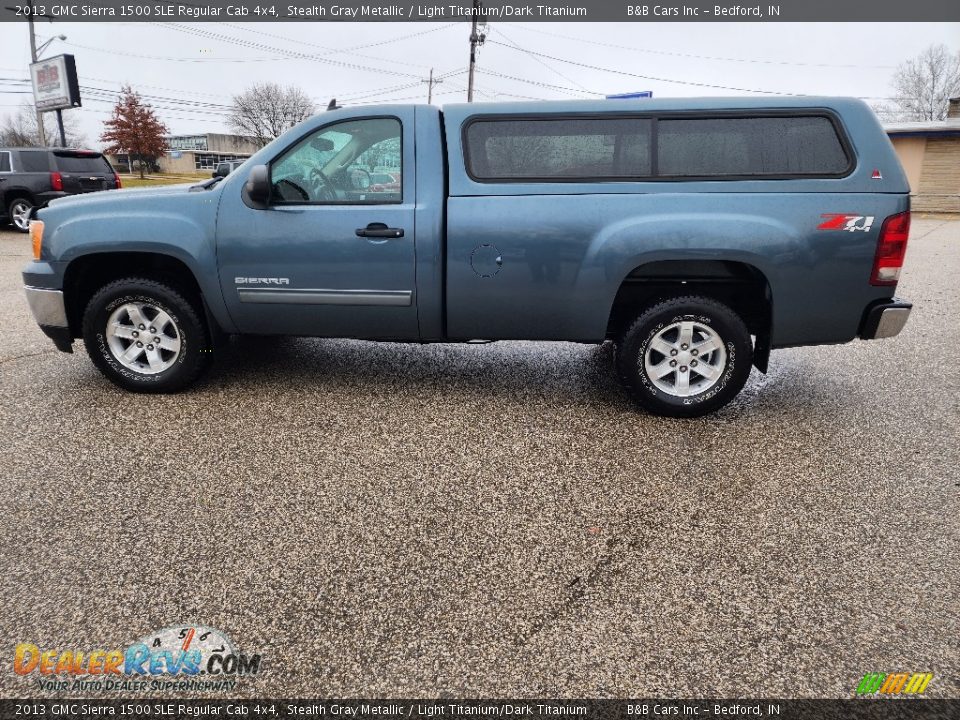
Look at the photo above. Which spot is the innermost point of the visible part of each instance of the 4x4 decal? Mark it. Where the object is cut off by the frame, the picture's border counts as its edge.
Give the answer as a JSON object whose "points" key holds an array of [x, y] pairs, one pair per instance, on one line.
{"points": [[850, 223]]}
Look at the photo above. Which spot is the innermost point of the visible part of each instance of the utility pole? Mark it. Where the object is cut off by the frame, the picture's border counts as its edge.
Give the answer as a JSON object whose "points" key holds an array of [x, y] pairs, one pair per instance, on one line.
{"points": [[430, 83], [63, 134], [476, 39], [33, 55]]}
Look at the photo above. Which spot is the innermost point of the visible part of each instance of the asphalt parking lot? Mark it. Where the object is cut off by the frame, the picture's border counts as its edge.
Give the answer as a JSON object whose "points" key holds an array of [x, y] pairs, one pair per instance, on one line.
{"points": [[470, 521]]}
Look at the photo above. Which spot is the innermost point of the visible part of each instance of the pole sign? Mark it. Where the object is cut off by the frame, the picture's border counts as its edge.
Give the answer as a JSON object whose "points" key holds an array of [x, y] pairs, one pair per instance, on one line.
{"points": [[55, 84], [630, 96]]}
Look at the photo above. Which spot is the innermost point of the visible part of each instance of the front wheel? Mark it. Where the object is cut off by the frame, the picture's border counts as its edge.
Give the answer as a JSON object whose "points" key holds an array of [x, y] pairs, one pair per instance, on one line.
{"points": [[685, 357], [145, 336]]}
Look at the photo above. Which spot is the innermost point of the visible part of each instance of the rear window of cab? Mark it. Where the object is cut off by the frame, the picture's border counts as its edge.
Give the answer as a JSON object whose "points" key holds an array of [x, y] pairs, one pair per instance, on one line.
{"points": [[666, 147]]}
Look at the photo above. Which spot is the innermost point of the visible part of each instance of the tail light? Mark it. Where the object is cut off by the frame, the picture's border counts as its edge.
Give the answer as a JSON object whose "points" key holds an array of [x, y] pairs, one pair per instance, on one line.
{"points": [[116, 179], [56, 180], [891, 249]]}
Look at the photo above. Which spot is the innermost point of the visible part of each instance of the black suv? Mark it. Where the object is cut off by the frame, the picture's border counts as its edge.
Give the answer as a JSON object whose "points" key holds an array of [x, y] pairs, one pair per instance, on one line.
{"points": [[225, 168], [32, 177]]}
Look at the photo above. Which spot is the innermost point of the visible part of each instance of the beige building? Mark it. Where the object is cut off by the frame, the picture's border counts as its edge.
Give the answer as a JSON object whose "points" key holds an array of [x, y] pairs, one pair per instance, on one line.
{"points": [[930, 155], [200, 153], [192, 154]]}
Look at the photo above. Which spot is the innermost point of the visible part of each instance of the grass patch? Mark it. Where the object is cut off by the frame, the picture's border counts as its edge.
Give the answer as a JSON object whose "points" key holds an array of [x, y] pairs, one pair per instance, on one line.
{"points": [[134, 181]]}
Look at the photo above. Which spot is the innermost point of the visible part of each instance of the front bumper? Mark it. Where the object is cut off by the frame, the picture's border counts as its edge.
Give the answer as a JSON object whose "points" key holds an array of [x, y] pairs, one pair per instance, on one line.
{"points": [[51, 315], [885, 319]]}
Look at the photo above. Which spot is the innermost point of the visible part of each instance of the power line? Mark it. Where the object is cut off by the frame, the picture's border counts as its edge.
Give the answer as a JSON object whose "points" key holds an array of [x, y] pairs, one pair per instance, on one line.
{"points": [[537, 83], [401, 99], [285, 54], [168, 111], [360, 94], [290, 53], [534, 56], [93, 93], [648, 77], [494, 93], [167, 58], [352, 50], [161, 98], [363, 94], [167, 103], [702, 57]]}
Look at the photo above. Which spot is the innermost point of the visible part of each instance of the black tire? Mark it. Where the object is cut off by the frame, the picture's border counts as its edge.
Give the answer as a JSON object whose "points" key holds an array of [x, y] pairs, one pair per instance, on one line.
{"points": [[188, 327], [732, 364], [15, 209]]}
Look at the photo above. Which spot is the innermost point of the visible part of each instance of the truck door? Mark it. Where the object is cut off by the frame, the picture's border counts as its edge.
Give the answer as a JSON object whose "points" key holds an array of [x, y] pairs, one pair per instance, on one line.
{"points": [[329, 255]]}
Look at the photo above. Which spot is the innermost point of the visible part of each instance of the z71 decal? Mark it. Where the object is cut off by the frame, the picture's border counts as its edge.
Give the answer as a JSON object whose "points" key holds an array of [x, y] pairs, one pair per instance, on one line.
{"points": [[850, 223]]}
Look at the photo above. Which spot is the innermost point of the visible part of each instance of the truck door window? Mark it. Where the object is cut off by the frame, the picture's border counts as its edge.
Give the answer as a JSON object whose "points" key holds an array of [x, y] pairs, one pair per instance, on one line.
{"points": [[334, 165], [4, 162]]}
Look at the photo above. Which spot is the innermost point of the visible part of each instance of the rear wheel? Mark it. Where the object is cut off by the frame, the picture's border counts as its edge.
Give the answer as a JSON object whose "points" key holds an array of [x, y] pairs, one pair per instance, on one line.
{"points": [[19, 213], [146, 336], [685, 357]]}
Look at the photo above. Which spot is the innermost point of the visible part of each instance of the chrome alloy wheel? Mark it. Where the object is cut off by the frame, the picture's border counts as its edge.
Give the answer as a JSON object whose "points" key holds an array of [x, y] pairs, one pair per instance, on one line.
{"points": [[20, 214], [685, 358], [143, 338]]}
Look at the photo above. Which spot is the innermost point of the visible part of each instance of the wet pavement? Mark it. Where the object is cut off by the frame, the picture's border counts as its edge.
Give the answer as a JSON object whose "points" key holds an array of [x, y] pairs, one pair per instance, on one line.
{"points": [[498, 520]]}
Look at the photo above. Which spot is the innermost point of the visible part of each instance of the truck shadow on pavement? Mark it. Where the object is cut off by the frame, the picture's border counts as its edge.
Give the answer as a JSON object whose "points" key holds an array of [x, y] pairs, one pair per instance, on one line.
{"points": [[565, 371]]}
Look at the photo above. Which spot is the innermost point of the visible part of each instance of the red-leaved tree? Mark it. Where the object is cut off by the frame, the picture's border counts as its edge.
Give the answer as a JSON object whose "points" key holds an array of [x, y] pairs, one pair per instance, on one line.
{"points": [[134, 129]]}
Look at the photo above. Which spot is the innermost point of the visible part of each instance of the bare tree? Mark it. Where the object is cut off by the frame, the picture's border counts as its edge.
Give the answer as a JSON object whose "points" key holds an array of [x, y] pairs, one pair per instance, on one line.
{"points": [[923, 85], [266, 110], [19, 129]]}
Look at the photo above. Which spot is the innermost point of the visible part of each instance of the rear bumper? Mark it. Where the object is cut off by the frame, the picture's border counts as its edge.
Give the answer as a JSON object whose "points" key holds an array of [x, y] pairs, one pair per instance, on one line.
{"points": [[51, 315], [885, 319]]}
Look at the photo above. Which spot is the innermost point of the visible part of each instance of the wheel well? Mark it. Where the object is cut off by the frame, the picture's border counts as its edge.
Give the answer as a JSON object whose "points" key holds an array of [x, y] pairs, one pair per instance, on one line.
{"points": [[742, 287], [10, 195], [87, 274]]}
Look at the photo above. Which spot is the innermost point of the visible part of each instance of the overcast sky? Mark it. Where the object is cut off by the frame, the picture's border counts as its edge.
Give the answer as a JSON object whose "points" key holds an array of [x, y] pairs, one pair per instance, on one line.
{"points": [[189, 71]]}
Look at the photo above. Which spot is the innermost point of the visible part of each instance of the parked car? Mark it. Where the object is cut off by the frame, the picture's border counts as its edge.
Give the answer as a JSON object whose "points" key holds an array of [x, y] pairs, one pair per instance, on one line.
{"points": [[32, 177], [696, 234], [384, 182], [225, 168]]}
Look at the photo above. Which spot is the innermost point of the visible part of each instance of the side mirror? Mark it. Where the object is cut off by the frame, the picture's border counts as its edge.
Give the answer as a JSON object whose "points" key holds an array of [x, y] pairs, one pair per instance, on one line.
{"points": [[360, 179], [257, 187]]}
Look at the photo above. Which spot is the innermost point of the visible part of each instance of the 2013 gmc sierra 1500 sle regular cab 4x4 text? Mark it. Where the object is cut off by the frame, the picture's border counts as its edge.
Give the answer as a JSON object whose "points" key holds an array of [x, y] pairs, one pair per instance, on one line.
{"points": [[698, 234]]}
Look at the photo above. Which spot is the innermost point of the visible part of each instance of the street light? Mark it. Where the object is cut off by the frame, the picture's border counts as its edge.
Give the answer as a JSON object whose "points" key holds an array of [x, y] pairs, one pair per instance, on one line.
{"points": [[47, 44]]}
